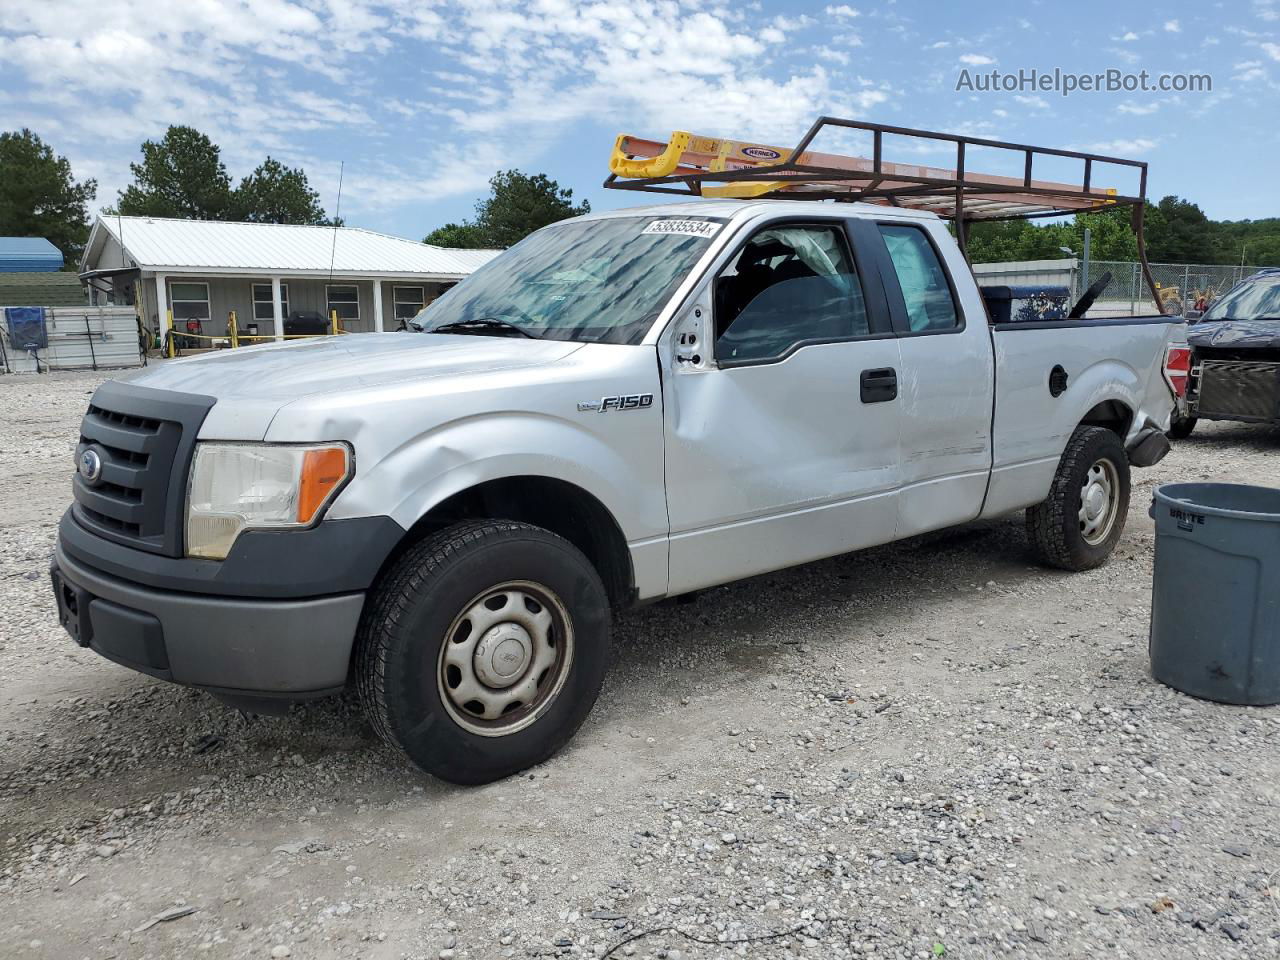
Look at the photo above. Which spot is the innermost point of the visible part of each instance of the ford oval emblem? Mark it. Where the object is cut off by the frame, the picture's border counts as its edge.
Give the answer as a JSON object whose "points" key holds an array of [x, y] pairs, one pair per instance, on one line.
{"points": [[90, 467]]}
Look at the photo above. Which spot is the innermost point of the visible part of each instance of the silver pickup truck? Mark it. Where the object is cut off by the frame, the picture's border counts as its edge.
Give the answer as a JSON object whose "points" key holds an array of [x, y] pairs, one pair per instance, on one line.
{"points": [[623, 407]]}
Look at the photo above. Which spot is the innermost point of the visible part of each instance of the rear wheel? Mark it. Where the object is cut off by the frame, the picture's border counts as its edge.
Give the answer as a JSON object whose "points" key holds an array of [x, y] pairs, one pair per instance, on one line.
{"points": [[1180, 427], [483, 649], [1078, 525]]}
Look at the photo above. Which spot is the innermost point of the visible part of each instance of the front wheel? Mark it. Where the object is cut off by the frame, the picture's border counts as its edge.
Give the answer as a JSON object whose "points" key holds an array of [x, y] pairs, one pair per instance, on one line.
{"points": [[483, 649], [1079, 523]]}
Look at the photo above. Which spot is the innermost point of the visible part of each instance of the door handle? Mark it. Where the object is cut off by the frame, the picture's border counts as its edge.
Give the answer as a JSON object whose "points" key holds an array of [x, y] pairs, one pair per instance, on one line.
{"points": [[879, 385]]}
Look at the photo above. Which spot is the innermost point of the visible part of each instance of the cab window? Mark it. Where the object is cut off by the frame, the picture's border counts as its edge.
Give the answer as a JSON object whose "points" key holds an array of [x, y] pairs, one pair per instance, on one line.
{"points": [[788, 286], [925, 290]]}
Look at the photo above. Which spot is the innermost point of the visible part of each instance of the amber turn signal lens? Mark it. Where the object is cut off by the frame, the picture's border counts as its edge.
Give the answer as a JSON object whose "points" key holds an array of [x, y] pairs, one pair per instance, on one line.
{"points": [[323, 471]]}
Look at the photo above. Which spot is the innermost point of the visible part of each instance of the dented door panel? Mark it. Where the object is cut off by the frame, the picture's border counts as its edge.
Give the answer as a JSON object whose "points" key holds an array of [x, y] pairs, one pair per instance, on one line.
{"points": [[778, 464]]}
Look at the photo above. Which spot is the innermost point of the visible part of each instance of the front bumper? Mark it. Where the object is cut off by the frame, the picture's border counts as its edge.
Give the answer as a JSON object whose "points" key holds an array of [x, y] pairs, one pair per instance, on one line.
{"points": [[237, 647]]}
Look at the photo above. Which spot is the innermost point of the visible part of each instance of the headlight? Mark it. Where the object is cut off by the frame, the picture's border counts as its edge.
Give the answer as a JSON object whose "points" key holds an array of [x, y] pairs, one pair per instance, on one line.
{"points": [[238, 486]]}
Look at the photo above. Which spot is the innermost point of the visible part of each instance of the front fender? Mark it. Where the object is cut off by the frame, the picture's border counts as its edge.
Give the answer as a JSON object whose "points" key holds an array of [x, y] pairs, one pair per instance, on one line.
{"points": [[428, 468]]}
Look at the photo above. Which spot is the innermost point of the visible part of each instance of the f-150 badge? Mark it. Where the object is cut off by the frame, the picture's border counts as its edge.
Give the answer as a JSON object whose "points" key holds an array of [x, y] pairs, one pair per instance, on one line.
{"points": [[632, 401]]}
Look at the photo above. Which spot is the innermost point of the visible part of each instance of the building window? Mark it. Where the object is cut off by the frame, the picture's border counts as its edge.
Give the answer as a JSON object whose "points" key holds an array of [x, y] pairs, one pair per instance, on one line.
{"points": [[408, 301], [345, 299], [190, 305], [263, 308]]}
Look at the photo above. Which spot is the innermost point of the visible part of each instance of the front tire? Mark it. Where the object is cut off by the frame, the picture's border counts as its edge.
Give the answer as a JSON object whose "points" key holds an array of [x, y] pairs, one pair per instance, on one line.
{"points": [[483, 649], [1077, 526]]}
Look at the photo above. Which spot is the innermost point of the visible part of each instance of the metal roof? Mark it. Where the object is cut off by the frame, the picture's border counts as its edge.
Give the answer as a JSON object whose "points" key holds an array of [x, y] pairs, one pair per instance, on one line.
{"points": [[29, 255], [44, 288], [215, 246]]}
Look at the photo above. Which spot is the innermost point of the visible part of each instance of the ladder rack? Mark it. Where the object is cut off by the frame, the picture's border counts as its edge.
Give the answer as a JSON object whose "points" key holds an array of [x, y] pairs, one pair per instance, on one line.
{"points": [[690, 165]]}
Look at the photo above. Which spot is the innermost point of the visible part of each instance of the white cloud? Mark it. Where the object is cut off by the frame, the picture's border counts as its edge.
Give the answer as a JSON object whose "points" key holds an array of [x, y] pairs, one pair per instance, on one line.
{"points": [[497, 80], [1129, 37], [1272, 50], [940, 44], [1172, 26], [1138, 109], [1034, 101], [1118, 148], [976, 59]]}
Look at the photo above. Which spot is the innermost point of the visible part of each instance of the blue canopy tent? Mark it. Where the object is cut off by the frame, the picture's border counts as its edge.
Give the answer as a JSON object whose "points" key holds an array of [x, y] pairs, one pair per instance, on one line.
{"points": [[29, 255]]}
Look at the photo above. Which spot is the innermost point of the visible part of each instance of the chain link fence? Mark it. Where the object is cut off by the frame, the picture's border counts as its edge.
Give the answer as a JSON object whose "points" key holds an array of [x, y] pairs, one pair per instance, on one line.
{"points": [[1183, 287]]}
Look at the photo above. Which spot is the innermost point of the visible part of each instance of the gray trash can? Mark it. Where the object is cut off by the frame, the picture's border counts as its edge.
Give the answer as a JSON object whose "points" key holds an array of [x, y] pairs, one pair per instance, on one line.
{"points": [[1215, 602]]}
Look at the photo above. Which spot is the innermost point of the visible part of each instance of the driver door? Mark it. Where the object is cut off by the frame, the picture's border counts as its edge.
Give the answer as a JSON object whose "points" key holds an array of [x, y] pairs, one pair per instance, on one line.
{"points": [[786, 448]]}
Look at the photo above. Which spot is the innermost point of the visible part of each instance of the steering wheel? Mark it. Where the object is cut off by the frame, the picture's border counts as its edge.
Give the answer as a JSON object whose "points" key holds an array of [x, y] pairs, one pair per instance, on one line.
{"points": [[1085, 302]]}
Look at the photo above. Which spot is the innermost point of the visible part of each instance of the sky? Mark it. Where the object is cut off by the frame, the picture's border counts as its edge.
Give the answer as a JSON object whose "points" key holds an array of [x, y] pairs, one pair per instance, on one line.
{"points": [[423, 100]]}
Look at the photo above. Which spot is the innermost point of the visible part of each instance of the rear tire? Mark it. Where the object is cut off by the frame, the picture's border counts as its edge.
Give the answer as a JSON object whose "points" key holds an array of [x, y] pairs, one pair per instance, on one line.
{"points": [[1079, 523], [1180, 427], [483, 649]]}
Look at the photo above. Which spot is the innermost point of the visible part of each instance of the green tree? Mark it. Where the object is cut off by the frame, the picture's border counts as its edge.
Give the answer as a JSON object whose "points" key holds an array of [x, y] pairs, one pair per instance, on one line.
{"points": [[520, 204], [517, 205], [1178, 232], [40, 198], [182, 175], [466, 236], [1017, 240], [1111, 235], [274, 193]]}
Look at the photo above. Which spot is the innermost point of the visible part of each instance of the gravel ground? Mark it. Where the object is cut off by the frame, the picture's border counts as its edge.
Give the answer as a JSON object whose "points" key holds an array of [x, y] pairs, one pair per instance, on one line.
{"points": [[931, 748]]}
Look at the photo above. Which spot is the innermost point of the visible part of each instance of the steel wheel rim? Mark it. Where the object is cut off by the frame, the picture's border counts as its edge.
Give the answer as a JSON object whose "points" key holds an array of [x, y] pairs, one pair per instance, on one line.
{"points": [[505, 658], [1099, 502]]}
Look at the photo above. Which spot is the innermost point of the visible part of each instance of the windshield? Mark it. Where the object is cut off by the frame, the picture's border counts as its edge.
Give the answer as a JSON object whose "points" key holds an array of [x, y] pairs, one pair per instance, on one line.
{"points": [[1251, 300], [589, 280]]}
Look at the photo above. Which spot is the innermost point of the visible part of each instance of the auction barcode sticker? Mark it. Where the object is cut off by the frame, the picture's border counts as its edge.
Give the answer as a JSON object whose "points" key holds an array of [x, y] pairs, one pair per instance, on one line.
{"points": [[684, 228]]}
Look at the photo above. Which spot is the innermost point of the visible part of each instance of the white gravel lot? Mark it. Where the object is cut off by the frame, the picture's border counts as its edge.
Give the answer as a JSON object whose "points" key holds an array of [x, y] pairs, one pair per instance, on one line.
{"points": [[931, 748]]}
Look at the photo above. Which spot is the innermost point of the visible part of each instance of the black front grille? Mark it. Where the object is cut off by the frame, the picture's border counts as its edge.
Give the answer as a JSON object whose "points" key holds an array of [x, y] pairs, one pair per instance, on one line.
{"points": [[1240, 390], [144, 439]]}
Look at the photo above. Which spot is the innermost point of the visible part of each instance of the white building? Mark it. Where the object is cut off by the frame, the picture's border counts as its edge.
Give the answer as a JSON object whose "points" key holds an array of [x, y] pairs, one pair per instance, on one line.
{"points": [[273, 276]]}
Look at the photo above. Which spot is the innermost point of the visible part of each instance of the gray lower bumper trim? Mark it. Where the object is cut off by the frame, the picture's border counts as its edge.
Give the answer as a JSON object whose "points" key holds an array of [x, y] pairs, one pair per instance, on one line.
{"points": [[275, 647]]}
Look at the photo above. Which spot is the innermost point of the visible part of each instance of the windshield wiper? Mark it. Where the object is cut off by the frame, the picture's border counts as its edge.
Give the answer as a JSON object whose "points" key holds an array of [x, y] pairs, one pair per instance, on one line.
{"points": [[478, 324]]}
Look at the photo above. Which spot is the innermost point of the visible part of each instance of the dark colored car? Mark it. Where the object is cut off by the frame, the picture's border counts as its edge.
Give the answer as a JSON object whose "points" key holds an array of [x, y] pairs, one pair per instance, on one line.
{"points": [[1235, 370]]}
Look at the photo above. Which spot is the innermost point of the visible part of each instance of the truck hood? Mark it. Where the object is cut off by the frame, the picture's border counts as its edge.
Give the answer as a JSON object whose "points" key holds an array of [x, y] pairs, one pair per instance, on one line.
{"points": [[1246, 334], [251, 384]]}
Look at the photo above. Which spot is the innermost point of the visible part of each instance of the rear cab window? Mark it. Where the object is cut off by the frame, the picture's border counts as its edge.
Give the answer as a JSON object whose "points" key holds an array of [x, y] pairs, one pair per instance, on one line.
{"points": [[925, 302]]}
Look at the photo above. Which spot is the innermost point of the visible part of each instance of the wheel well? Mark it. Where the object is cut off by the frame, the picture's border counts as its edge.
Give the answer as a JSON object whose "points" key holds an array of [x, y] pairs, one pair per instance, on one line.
{"points": [[555, 505], [1113, 415]]}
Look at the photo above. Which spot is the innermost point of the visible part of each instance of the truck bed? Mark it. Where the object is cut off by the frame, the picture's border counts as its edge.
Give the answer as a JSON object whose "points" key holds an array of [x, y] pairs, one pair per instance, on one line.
{"points": [[1103, 357]]}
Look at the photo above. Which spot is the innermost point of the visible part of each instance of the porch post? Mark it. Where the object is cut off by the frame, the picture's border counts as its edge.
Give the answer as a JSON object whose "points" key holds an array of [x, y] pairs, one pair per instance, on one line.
{"points": [[377, 306], [162, 308], [277, 308]]}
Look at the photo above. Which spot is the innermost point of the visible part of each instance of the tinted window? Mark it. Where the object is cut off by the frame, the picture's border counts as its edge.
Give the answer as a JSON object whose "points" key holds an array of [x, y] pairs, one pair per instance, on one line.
{"points": [[924, 284], [345, 301], [790, 284]]}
